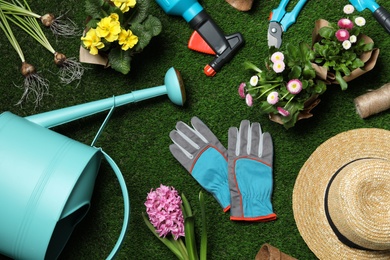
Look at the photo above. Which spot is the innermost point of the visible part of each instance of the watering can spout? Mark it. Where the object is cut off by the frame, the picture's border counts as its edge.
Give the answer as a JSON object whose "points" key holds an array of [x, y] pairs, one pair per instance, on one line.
{"points": [[173, 87]]}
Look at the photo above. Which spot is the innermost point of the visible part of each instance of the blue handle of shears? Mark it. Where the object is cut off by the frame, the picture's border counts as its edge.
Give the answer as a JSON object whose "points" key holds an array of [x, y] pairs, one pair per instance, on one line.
{"points": [[286, 19]]}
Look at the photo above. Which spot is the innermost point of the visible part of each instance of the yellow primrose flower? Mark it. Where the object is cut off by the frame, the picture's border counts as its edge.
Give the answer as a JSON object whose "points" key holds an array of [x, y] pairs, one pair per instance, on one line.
{"points": [[124, 5], [114, 16], [92, 42], [108, 28], [127, 39]]}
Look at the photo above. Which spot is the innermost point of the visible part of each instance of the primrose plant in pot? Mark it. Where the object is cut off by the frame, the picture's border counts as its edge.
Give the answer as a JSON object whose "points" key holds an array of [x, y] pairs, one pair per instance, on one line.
{"points": [[116, 30]]}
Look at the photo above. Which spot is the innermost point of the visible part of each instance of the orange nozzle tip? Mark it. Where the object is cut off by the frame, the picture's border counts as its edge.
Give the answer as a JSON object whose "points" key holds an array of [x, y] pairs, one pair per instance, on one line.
{"points": [[270, 16], [209, 71]]}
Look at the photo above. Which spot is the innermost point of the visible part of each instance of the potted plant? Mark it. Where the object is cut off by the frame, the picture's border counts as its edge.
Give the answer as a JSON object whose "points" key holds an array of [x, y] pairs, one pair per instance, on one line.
{"points": [[116, 30], [342, 49], [289, 85]]}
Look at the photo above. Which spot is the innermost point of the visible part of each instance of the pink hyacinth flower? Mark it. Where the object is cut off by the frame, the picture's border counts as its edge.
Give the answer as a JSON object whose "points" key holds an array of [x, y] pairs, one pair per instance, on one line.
{"points": [[345, 23], [241, 90], [273, 98], [342, 35], [163, 207], [283, 111], [249, 100], [278, 66], [294, 86]]}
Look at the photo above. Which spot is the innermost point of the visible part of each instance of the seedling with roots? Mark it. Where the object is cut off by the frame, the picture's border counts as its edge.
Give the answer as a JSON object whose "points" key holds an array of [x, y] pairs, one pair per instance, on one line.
{"points": [[34, 86], [60, 25], [70, 68]]}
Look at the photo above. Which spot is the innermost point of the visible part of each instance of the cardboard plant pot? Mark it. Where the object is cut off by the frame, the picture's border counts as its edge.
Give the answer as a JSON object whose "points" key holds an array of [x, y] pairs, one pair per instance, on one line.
{"points": [[369, 58]]}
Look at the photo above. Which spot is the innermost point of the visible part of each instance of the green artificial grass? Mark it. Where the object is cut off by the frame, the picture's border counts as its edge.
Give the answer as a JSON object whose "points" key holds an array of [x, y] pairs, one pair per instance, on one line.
{"points": [[137, 135]]}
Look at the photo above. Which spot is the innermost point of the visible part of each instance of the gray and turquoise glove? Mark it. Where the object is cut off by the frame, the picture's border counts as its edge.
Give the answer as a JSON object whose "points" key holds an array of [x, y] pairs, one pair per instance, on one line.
{"points": [[204, 157], [250, 158]]}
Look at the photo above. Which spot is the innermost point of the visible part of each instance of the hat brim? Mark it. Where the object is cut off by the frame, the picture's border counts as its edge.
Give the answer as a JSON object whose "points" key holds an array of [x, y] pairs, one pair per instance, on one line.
{"points": [[311, 183]]}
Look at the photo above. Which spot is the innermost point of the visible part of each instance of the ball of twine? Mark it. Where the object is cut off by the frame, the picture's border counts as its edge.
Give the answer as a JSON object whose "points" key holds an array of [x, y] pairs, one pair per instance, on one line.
{"points": [[373, 102]]}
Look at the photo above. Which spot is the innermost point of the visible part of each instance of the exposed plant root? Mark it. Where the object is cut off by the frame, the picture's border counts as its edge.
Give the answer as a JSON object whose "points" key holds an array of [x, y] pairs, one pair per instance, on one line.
{"points": [[61, 25], [71, 70], [35, 87]]}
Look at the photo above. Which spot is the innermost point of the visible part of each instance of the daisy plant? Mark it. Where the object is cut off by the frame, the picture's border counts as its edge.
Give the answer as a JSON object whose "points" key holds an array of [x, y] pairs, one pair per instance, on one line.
{"points": [[341, 45], [170, 218], [118, 29], [286, 83]]}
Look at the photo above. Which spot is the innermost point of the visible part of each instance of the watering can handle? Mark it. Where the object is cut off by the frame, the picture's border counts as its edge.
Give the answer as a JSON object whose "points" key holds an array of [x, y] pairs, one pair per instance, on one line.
{"points": [[126, 201]]}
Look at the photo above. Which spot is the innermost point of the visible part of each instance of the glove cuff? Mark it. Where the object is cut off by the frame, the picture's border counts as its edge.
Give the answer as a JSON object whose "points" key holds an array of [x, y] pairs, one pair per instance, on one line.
{"points": [[266, 218]]}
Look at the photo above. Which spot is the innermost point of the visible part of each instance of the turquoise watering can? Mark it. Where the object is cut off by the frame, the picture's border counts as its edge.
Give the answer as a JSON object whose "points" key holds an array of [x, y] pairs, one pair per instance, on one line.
{"points": [[47, 179]]}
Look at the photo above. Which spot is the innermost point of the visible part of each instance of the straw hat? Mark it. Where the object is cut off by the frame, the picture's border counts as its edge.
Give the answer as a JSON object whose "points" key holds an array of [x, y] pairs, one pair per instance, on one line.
{"points": [[341, 197]]}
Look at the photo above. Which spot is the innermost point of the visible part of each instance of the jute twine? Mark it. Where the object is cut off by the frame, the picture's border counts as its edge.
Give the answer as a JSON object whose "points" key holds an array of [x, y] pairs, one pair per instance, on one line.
{"points": [[373, 102]]}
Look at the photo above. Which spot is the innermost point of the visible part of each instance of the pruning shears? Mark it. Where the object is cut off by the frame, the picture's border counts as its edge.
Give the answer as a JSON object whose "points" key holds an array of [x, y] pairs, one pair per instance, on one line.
{"points": [[280, 21]]}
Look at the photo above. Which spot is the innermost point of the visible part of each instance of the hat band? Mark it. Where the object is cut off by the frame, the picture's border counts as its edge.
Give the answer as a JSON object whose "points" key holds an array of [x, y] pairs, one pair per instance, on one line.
{"points": [[339, 235]]}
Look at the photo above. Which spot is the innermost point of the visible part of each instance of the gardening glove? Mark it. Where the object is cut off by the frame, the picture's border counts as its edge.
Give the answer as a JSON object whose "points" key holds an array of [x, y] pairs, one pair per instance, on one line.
{"points": [[204, 157], [250, 158]]}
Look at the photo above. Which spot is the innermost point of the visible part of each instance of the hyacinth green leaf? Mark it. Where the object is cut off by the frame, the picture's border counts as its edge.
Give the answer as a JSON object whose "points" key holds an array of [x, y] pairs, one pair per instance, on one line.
{"points": [[203, 239], [189, 229], [170, 244]]}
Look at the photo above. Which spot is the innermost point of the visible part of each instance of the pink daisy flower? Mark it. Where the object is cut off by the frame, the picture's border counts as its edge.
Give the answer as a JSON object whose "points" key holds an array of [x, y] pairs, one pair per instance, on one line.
{"points": [[241, 90], [249, 100], [273, 98], [283, 111], [342, 35], [294, 86], [278, 66], [277, 56], [345, 23]]}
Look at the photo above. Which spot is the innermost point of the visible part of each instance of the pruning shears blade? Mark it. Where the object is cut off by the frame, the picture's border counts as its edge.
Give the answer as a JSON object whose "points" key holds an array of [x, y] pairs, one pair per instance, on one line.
{"points": [[274, 35]]}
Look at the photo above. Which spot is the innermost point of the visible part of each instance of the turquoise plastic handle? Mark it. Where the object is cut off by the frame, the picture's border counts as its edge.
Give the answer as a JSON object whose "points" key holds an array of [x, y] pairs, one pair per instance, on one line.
{"points": [[126, 202]]}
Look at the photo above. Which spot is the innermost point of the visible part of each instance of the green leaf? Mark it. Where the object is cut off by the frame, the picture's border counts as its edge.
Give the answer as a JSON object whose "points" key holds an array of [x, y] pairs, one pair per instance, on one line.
{"points": [[327, 32], [341, 81], [170, 244], [189, 229], [250, 66], [368, 46], [295, 72], [267, 108], [92, 8], [120, 60], [153, 25], [357, 63], [308, 71], [320, 87], [141, 12], [203, 239]]}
